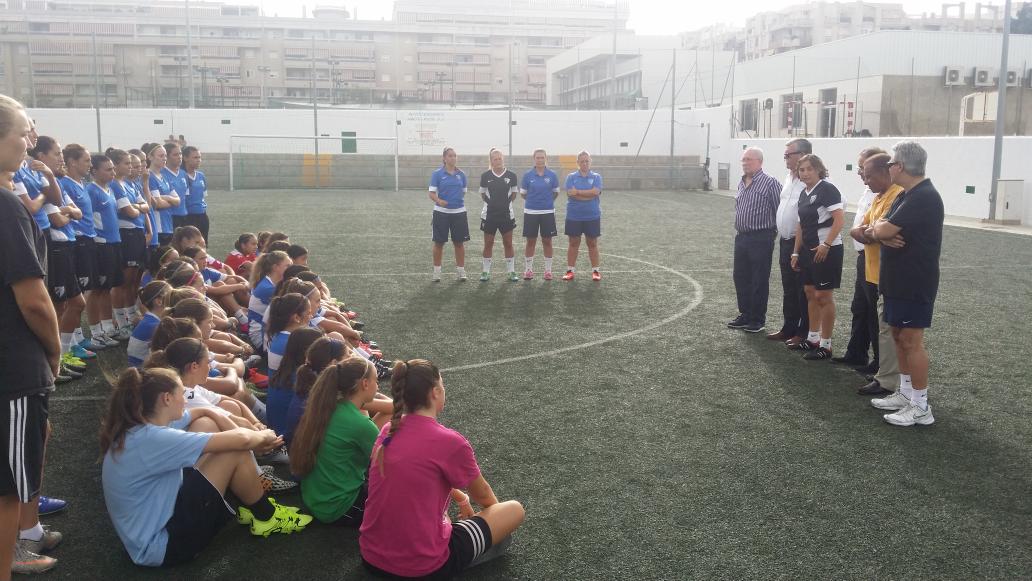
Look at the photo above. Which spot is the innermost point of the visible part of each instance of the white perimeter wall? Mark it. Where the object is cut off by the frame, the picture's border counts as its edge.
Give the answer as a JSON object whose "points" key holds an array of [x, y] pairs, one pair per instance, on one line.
{"points": [[420, 131], [953, 164]]}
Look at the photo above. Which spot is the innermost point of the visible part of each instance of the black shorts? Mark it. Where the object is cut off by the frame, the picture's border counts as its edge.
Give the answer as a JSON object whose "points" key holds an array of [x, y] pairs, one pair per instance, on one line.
{"points": [[490, 226], [353, 517], [825, 275], [907, 314], [23, 437], [86, 263], [469, 539], [589, 228], [444, 223], [179, 221], [199, 514], [62, 283], [134, 247], [543, 224], [109, 265], [164, 239]]}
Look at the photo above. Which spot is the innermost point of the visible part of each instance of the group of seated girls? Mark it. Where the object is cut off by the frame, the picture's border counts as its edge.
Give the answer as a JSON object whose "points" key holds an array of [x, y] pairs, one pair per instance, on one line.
{"points": [[182, 429]]}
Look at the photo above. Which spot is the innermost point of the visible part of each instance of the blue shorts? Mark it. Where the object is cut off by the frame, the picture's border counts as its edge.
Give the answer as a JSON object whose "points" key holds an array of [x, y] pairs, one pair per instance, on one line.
{"points": [[907, 314], [444, 223], [589, 228]]}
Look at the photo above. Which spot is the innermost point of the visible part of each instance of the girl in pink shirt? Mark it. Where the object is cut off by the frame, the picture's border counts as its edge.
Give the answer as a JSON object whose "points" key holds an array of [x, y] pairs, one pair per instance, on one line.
{"points": [[417, 467]]}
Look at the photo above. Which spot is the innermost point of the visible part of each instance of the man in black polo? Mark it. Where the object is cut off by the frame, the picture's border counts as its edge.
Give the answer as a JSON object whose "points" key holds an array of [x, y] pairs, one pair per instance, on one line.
{"points": [[30, 352], [756, 206], [911, 237]]}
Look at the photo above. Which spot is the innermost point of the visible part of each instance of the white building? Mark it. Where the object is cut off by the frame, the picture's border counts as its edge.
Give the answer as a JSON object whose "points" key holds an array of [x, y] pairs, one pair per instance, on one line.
{"points": [[581, 77]]}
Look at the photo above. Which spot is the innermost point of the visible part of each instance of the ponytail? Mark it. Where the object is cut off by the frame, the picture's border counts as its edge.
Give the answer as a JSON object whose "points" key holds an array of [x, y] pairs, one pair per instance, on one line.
{"points": [[263, 266], [411, 384], [132, 401], [319, 356], [243, 239], [195, 309], [294, 356], [336, 383], [169, 329], [281, 309], [178, 355]]}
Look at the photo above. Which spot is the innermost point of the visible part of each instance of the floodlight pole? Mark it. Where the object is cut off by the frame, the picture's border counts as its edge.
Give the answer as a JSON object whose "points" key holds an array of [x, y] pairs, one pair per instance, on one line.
{"points": [[189, 53], [1001, 110]]}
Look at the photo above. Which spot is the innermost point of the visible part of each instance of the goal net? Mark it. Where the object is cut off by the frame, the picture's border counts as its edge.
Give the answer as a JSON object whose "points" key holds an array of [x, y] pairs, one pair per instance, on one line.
{"points": [[348, 161]]}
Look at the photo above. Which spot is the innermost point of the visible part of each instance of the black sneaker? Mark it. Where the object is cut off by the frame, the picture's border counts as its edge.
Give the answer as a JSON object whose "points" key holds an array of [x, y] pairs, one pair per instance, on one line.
{"points": [[818, 353], [754, 328], [738, 322], [803, 345], [357, 325]]}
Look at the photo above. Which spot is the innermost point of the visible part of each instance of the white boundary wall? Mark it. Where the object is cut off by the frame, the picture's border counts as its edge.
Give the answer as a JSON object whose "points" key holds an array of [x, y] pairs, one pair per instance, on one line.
{"points": [[954, 163], [420, 132]]}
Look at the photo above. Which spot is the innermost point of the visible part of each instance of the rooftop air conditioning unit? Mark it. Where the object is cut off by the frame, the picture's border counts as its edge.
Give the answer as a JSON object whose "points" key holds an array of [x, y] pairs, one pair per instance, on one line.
{"points": [[953, 76], [983, 77], [1013, 78]]}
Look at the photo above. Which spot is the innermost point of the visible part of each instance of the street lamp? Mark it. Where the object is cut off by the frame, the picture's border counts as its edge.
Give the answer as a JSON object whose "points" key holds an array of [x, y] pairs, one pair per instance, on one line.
{"points": [[264, 70], [333, 80]]}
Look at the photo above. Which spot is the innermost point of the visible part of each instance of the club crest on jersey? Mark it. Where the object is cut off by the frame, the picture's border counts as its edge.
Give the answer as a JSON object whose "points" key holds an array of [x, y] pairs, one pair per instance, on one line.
{"points": [[506, 181]]}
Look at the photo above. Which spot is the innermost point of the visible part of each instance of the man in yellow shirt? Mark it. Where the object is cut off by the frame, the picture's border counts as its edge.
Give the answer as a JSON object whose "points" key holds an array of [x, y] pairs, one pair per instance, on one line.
{"points": [[876, 172]]}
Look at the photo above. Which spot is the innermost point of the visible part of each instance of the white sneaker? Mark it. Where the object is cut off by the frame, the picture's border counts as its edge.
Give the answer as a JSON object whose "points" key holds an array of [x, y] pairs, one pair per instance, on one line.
{"points": [[911, 415], [109, 340], [435, 277], [27, 562], [462, 275], [896, 401]]}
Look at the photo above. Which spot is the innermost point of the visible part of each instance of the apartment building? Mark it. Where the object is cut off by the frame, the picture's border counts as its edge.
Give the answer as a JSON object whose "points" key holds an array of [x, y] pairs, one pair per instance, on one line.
{"points": [[80, 53]]}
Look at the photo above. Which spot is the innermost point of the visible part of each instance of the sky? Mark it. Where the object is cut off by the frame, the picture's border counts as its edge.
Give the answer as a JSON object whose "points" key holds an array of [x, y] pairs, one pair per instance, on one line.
{"points": [[647, 16]]}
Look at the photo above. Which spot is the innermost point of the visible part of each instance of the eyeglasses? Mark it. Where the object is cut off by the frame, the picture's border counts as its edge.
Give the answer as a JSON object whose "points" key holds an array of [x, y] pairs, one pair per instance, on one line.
{"points": [[892, 163], [791, 153]]}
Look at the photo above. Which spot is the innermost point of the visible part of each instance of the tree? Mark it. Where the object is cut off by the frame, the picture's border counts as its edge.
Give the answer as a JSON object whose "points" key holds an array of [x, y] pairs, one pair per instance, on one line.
{"points": [[1023, 23]]}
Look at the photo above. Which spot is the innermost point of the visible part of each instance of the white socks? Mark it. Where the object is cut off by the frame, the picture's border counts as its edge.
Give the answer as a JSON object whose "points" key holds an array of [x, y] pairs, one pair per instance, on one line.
{"points": [[510, 264], [528, 263], [460, 270], [813, 337], [487, 265], [571, 268], [66, 342], [826, 343], [548, 264], [77, 336], [108, 326], [95, 330], [33, 534], [919, 397], [594, 269], [905, 386]]}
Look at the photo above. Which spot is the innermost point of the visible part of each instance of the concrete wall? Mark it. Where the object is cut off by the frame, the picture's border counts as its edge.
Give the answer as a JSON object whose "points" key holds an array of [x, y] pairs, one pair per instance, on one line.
{"points": [[937, 109], [954, 165]]}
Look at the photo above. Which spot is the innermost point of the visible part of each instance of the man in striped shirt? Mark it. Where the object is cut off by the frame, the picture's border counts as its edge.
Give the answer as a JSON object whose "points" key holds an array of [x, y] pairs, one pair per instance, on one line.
{"points": [[756, 206]]}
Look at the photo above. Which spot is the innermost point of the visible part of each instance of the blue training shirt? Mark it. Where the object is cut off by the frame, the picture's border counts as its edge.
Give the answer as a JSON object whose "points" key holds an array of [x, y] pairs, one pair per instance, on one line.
{"points": [[583, 209], [64, 233], [77, 193], [138, 183], [177, 180], [450, 187], [277, 348], [196, 193], [159, 186], [142, 481], [33, 183], [540, 190], [126, 196], [139, 343], [105, 214]]}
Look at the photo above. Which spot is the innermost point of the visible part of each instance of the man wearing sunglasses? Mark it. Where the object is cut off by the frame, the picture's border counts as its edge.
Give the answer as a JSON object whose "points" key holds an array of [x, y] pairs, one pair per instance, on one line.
{"points": [[911, 237], [796, 319]]}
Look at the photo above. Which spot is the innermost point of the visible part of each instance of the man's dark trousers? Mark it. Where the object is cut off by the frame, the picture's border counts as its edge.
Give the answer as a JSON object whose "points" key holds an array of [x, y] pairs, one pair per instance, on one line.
{"points": [[753, 257]]}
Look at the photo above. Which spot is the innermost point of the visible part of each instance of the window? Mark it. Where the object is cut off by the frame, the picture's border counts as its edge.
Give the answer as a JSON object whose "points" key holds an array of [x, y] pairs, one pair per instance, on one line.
{"points": [[39, 27], [792, 110], [385, 59], [747, 115], [535, 61], [385, 78]]}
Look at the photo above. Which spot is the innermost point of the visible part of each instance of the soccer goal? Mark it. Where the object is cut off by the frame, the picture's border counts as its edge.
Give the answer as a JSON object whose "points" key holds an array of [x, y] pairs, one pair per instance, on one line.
{"points": [[264, 162]]}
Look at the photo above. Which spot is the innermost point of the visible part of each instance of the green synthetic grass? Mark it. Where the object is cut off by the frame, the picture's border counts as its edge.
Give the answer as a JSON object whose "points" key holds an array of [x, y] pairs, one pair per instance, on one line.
{"points": [[680, 450]]}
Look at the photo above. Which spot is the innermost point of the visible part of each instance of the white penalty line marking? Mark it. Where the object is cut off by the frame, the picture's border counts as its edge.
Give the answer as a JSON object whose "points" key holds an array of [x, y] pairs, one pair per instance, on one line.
{"points": [[695, 302], [497, 275]]}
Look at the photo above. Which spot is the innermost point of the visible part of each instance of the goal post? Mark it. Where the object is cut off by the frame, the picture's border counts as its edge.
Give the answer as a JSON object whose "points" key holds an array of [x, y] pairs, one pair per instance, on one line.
{"points": [[347, 161]]}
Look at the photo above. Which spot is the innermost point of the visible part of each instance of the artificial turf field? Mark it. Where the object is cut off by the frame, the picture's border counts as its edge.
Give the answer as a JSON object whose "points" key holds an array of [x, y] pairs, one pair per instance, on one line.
{"points": [[646, 440]]}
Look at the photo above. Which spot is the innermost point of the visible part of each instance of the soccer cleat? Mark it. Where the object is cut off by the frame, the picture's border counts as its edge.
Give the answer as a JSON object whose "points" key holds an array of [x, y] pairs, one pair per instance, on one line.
{"points": [[435, 277], [81, 352], [485, 276], [911, 415], [72, 362], [64, 370], [49, 540], [738, 322], [548, 275], [513, 277], [93, 344], [272, 483], [108, 339], [462, 276], [803, 345], [260, 381], [246, 517], [277, 456], [51, 505], [818, 353], [253, 361], [528, 274], [568, 275], [124, 333], [357, 325], [384, 369], [896, 401], [26, 562], [349, 315], [62, 378], [596, 275], [285, 519]]}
